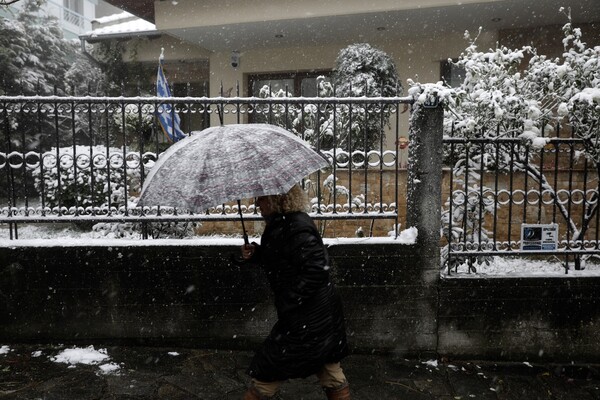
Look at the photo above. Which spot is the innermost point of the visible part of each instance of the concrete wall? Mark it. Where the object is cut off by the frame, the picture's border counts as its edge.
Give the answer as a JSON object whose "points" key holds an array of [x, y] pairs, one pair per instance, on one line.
{"points": [[192, 295], [520, 318]]}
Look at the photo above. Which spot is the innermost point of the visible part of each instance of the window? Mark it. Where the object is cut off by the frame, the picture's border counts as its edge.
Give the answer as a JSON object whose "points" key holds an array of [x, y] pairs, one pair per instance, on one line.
{"points": [[451, 73], [297, 83], [73, 12]]}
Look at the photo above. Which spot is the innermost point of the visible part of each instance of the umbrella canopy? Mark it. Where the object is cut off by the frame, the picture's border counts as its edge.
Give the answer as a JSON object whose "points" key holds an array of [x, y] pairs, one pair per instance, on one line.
{"points": [[227, 163]]}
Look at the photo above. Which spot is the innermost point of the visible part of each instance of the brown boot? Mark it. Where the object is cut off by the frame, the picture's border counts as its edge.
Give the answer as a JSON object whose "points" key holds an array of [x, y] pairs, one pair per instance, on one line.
{"points": [[341, 393], [253, 394]]}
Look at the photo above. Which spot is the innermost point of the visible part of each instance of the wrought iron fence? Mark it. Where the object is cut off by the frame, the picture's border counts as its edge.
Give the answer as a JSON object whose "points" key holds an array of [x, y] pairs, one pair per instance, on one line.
{"points": [[84, 159], [497, 188]]}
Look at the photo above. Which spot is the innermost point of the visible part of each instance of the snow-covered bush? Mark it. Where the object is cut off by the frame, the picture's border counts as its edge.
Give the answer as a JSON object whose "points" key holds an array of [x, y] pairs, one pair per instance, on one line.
{"points": [[322, 201], [85, 176], [503, 98], [332, 191], [155, 230], [312, 124], [360, 70], [133, 121]]}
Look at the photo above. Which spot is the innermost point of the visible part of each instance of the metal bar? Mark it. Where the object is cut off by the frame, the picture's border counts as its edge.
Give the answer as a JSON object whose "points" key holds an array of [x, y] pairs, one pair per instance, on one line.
{"points": [[366, 154], [511, 253], [597, 218], [287, 113], [74, 144], [318, 132], [525, 186], [9, 183], [187, 217], [397, 168], [350, 159], [570, 201], [540, 186], [57, 133], [93, 142], [451, 201], [42, 157], [510, 204], [481, 200], [382, 125], [556, 159], [219, 100], [463, 140], [24, 172], [270, 117], [334, 159], [496, 173], [466, 200], [584, 202]]}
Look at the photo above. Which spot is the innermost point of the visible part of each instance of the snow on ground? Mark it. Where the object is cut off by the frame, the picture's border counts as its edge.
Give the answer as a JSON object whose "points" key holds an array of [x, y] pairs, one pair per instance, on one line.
{"points": [[524, 267], [87, 356], [80, 355]]}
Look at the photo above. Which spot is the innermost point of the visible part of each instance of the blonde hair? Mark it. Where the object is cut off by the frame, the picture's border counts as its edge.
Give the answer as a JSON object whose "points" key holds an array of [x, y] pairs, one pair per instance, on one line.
{"points": [[294, 200]]}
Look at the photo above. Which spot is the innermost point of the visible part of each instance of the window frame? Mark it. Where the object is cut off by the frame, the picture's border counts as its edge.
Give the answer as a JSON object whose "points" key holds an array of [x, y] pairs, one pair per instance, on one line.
{"points": [[446, 69], [297, 77]]}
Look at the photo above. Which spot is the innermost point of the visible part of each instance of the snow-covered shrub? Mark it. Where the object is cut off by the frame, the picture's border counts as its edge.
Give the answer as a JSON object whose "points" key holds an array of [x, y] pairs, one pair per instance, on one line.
{"points": [[313, 125], [85, 176], [171, 230], [332, 192], [503, 98], [133, 121], [360, 70], [155, 230]]}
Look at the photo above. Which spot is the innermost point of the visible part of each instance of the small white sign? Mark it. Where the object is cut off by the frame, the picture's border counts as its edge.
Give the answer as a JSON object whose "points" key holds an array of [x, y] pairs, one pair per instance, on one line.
{"points": [[539, 237]]}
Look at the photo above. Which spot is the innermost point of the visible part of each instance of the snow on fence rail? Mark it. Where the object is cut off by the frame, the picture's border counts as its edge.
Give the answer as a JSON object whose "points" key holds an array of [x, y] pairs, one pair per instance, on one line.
{"points": [[84, 159]]}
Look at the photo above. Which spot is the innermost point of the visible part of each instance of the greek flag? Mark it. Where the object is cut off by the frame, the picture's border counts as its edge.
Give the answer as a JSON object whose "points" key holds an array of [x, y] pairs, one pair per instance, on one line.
{"points": [[167, 116]]}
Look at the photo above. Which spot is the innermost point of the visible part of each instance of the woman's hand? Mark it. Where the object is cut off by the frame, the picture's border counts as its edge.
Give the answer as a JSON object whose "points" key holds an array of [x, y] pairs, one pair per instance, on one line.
{"points": [[248, 251]]}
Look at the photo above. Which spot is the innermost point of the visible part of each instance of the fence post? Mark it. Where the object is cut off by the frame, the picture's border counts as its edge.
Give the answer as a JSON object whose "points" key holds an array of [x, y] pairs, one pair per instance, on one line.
{"points": [[425, 182]]}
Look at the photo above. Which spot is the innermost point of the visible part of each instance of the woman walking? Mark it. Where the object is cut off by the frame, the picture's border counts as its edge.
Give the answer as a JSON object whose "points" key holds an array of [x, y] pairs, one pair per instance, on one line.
{"points": [[309, 336]]}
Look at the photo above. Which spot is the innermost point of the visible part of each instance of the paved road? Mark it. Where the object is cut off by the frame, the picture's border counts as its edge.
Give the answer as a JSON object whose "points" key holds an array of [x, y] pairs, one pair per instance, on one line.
{"points": [[33, 372]]}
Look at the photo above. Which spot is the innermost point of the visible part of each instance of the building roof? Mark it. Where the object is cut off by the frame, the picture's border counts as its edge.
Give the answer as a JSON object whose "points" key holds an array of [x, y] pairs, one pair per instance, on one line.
{"points": [[119, 25]]}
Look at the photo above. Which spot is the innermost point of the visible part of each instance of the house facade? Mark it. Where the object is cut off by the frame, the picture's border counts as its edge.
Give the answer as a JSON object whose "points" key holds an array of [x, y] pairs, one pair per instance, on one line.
{"points": [[75, 16], [216, 46]]}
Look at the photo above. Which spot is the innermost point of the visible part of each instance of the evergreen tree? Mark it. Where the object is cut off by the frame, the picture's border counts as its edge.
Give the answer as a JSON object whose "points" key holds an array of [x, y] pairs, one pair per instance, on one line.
{"points": [[35, 59], [13, 46], [362, 70]]}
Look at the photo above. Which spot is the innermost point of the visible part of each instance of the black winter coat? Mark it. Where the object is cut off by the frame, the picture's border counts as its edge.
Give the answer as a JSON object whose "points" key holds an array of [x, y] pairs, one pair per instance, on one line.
{"points": [[310, 330]]}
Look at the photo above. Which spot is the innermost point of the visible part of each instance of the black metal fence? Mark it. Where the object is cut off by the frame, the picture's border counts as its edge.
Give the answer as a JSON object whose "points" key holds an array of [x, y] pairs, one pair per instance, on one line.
{"points": [[508, 196], [84, 159]]}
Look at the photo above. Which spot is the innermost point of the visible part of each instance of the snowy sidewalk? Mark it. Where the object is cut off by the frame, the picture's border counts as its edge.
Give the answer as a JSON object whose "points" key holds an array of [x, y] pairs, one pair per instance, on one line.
{"points": [[82, 373]]}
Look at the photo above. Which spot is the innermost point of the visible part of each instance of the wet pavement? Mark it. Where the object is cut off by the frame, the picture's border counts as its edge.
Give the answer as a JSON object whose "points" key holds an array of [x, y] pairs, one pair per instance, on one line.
{"points": [[34, 372]]}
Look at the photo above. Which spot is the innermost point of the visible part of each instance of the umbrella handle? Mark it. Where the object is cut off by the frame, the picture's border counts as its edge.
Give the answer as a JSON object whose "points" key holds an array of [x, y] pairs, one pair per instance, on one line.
{"points": [[246, 242]]}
